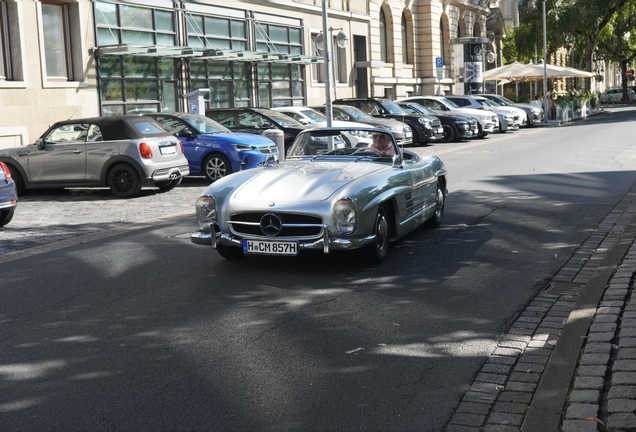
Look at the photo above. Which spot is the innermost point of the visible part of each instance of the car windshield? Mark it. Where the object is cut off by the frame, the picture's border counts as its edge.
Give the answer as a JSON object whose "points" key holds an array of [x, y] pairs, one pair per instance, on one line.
{"points": [[392, 107], [420, 109], [328, 143], [487, 102], [283, 119], [356, 113], [314, 115], [204, 124], [449, 103]]}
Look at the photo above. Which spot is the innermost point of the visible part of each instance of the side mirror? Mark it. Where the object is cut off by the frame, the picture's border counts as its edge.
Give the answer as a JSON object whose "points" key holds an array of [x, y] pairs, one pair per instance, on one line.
{"points": [[303, 121], [267, 126], [397, 161], [186, 133], [40, 143], [381, 111]]}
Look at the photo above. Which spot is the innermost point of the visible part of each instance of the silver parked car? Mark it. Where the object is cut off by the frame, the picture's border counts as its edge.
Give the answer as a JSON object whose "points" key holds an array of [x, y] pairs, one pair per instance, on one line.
{"points": [[120, 152], [327, 195]]}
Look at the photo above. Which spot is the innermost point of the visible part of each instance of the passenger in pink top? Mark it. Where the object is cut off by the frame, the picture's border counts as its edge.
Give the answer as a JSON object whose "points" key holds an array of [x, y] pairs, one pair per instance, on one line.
{"points": [[382, 143]]}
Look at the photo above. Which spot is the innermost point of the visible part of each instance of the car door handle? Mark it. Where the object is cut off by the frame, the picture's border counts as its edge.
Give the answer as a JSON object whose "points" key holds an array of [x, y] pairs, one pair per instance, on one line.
{"points": [[78, 151]]}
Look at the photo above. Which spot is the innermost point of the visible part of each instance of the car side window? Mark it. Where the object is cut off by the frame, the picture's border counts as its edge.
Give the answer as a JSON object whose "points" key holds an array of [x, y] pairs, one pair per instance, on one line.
{"points": [[251, 120], [172, 125], [226, 119], [70, 133], [460, 101], [94, 134]]}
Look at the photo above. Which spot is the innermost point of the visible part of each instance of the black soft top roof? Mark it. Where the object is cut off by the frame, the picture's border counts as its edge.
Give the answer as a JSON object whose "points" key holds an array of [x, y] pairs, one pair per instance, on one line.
{"points": [[121, 127]]}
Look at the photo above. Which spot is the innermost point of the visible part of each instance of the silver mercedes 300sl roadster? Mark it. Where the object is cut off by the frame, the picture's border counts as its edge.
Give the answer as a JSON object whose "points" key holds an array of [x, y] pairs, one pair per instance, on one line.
{"points": [[327, 195]]}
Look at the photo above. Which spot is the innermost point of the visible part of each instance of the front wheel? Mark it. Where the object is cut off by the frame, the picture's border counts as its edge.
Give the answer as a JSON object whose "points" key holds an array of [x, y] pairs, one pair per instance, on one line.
{"points": [[6, 216], [229, 252], [17, 179], [449, 134], [216, 166], [123, 181], [168, 185], [440, 200], [375, 252]]}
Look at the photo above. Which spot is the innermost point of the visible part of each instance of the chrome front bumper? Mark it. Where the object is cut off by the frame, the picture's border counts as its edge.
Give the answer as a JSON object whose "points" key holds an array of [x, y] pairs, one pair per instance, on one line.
{"points": [[327, 242]]}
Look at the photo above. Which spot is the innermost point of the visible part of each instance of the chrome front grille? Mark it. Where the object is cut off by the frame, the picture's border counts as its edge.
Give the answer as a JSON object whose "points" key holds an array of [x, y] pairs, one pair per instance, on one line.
{"points": [[268, 150], [436, 123], [274, 224]]}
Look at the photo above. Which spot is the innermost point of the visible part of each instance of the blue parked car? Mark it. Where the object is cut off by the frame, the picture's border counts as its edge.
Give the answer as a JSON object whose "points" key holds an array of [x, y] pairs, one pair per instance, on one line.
{"points": [[8, 195], [212, 149]]}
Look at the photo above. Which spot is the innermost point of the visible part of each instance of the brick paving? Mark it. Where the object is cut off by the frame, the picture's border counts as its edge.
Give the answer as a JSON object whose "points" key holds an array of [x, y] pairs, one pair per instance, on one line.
{"points": [[602, 395], [71, 213]]}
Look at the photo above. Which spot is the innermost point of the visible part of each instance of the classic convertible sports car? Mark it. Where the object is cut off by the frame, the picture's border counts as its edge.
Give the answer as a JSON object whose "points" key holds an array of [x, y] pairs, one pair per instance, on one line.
{"points": [[327, 195]]}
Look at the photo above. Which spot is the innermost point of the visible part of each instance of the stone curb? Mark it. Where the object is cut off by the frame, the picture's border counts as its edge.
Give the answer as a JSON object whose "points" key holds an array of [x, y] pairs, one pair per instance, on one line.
{"points": [[515, 367]]}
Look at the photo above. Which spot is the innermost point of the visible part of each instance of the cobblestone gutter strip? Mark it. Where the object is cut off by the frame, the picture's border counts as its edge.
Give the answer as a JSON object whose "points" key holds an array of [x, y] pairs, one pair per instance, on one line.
{"points": [[78, 237], [603, 394], [503, 390]]}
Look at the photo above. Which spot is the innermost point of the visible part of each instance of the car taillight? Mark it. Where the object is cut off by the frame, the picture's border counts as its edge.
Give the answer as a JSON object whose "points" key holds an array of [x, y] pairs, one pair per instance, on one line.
{"points": [[5, 170], [181, 147], [145, 151]]}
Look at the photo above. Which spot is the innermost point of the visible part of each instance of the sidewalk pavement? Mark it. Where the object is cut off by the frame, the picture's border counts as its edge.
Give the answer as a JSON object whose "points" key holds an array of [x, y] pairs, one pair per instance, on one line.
{"points": [[569, 361]]}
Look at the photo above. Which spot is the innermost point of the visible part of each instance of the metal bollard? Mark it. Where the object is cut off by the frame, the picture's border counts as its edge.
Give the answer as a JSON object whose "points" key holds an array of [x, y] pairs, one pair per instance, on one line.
{"points": [[278, 136]]}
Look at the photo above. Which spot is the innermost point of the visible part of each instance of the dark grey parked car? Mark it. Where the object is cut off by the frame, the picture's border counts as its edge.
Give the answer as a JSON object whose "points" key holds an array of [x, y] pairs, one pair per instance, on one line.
{"points": [[121, 152]]}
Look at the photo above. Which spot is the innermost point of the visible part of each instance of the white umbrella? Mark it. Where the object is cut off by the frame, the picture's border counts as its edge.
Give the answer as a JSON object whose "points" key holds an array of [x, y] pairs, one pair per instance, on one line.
{"points": [[530, 72]]}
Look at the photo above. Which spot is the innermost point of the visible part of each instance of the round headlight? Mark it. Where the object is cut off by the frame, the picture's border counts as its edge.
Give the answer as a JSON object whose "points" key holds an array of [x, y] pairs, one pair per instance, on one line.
{"points": [[206, 211], [344, 215], [425, 121]]}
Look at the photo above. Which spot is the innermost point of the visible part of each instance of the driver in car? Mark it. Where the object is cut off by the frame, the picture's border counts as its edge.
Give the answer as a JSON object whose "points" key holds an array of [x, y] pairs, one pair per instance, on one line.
{"points": [[382, 143]]}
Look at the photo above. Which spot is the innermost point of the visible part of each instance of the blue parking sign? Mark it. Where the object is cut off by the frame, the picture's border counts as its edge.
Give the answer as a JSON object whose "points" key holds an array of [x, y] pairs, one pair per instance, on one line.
{"points": [[439, 62]]}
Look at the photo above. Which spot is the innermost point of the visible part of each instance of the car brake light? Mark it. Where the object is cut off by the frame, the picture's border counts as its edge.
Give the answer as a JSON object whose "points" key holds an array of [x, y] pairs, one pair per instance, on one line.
{"points": [[145, 151], [181, 147], [5, 170]]}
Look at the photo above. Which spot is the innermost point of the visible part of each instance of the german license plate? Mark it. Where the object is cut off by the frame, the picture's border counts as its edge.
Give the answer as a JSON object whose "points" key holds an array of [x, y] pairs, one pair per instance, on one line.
{"points": [[269, 247], [408, 135], [168, 150], [440, 130]]}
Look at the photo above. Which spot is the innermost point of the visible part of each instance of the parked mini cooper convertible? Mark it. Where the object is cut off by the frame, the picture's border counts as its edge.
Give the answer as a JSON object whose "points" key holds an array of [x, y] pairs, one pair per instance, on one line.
{"points": [[327, 195], [121, 152]]}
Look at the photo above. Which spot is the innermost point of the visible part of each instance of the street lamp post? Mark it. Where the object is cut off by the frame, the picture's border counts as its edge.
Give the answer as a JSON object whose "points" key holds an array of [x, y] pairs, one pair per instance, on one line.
{"points": [[341, 40], [545, 68], [325, 28]]}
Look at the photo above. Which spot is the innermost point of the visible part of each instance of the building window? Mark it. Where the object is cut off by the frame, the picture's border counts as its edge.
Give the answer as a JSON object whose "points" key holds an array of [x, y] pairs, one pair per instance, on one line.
{"points": [[228, 82], [279, 85], [57, 52], [317, 69], [406, 46], [383, 38], [442, 47], [278, 39], [11, 68], [61, 42], [137, 85], [216, 32], [126, 24]]}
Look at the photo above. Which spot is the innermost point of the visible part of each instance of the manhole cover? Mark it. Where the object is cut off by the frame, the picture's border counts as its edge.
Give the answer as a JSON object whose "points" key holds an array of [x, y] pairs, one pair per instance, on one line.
{"points": [[563, 288]]}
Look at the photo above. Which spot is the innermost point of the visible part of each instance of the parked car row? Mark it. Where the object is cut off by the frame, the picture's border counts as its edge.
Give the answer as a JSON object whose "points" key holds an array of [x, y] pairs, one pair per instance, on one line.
{"points": [[125, 153]]}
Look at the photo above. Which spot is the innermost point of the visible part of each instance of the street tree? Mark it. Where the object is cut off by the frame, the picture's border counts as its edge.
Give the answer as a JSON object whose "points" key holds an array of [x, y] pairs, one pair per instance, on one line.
{"points": [[617, 41]]}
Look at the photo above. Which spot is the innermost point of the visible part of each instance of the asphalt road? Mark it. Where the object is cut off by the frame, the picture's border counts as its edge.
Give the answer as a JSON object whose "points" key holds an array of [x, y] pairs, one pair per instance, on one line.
{"points": [[138, 329]]}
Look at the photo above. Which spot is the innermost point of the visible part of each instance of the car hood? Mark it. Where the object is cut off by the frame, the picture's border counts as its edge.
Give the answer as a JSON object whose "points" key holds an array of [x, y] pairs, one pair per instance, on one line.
{"points": [[302, 181], [240, 138]]}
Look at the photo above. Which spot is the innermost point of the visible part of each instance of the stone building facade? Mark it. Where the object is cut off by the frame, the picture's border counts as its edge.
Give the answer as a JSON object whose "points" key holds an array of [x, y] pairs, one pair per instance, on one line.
{"points": [[63, 59]]}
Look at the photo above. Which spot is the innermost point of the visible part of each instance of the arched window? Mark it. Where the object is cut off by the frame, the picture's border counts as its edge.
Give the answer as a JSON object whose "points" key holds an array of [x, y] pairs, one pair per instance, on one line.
{"points": [[406, 46], [442, 47], [383, 38]]}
